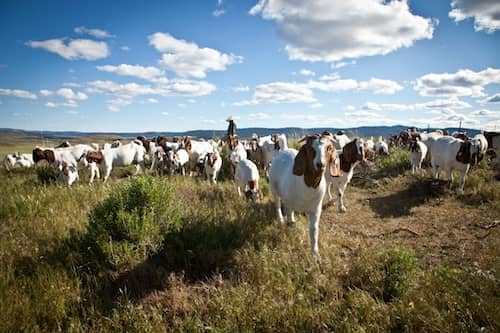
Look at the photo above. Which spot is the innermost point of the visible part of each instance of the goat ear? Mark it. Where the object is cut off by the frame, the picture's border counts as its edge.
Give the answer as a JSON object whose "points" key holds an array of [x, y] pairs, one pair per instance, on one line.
{"points": [[300, 162], [334, 164]]}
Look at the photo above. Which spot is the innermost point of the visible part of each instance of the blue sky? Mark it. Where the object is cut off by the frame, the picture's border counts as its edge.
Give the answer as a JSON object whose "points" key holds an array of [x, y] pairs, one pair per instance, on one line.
{"points": [[180, 65]]}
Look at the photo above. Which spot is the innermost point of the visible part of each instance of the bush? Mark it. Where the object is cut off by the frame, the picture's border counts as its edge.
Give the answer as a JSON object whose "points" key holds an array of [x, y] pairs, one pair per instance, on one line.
{"points": [[47, 175], [386, 277], [396, 163], [131, 223]]}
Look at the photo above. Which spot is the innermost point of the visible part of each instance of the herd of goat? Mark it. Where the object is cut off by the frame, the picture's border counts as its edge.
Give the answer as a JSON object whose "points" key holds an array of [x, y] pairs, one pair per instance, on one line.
{"points": [[298, 179]]}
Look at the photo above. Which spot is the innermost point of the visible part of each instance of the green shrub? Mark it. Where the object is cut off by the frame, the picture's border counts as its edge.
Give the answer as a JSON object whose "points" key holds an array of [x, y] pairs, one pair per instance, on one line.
{"points": [[396, 163], [132, 222], [386, 276], [47, 174], [451, 300]]}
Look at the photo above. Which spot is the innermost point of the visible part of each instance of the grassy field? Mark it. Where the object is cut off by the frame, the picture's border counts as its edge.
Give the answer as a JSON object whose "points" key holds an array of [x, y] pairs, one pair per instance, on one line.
{"points": [[151, 254]]}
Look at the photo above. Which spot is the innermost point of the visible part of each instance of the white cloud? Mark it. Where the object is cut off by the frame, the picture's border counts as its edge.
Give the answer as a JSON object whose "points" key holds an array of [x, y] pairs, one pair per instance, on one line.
{"points": [[341, 64], [375, 85], [306, 72], [438, 104], [125, 48], [182, 105], [316, 106], [152, 101], [486, 113], [486, 13], [240, 88], [292, 92], [165, 113], [280, 92], [97, 33], [379, 86], [127, 90], [17, 93], [66, 93], [72, 85], [218, 12], [363, 114], [75, 49], [465, 82], [188, 59], [146, 73], [335, 85], [259, 116], [491, 99], [70, 103], [116, 104], [170, 88], [72, 112], [333, 30], [330, 77]]}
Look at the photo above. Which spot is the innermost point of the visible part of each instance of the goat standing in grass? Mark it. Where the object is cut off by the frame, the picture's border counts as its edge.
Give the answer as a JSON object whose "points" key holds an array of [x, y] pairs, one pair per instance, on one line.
{"points": [[352, 153], [298, 180]]}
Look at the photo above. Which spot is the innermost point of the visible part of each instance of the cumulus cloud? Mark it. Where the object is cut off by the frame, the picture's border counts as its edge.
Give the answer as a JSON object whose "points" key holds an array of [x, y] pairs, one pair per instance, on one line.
{"points": [[491, 99], [465, 82], [240, 88], [75, 49], [259, 116], [188, 59], [292, 92], [486, 13], [306, 72], [333, 30], [17, 93], [218, 11], [152, 101], [97, 33], [486, 113], [66, 93], [116, 104], [379, 86], [145, 73], [280, 92], [176, 87], [341, 64], [70, 103], [438, 104]]}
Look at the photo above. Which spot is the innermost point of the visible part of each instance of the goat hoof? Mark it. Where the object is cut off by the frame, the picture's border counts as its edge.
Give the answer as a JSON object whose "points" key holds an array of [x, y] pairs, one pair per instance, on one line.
{"points": [[342, 209]]}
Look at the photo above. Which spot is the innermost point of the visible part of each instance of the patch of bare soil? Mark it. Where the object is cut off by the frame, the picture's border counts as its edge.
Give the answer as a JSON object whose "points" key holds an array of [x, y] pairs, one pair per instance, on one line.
{"points": [[417, 214]]}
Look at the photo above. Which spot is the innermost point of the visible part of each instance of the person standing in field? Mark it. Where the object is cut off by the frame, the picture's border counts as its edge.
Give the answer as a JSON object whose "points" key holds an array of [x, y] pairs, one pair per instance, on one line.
{"points": [[231, 128]]}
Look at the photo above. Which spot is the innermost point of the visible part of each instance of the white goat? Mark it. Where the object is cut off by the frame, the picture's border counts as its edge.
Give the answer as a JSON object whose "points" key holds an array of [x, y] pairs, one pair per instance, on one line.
{"points": [[482, 143], [341, 140], [448, 154], [271, 146], [213, 164], [197, 151], [131, 153], [68, 174], [418, 151], [381, 147], [247, 177], [298, 179], [177, 161], [350, 156]]}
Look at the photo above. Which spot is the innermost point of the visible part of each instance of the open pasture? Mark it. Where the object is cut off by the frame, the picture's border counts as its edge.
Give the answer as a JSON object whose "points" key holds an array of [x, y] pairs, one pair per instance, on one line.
{"points": [[152, 254]]}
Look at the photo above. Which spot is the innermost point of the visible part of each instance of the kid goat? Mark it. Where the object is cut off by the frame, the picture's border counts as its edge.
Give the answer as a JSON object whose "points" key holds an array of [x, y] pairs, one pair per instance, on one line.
{"points": [[351, 155]]}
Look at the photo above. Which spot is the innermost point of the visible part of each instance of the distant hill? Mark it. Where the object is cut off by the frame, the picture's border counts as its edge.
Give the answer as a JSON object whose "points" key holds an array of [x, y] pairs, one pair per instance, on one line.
{"points": [[365, 131]]}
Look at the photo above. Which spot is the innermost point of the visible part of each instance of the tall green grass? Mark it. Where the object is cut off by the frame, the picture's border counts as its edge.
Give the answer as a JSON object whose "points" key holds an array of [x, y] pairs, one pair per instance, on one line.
{"points": [[152, 254]]}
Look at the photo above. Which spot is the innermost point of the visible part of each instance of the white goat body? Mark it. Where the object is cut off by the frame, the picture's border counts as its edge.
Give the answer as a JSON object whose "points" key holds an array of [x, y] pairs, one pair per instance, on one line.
{"points": [[246, 176]]}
